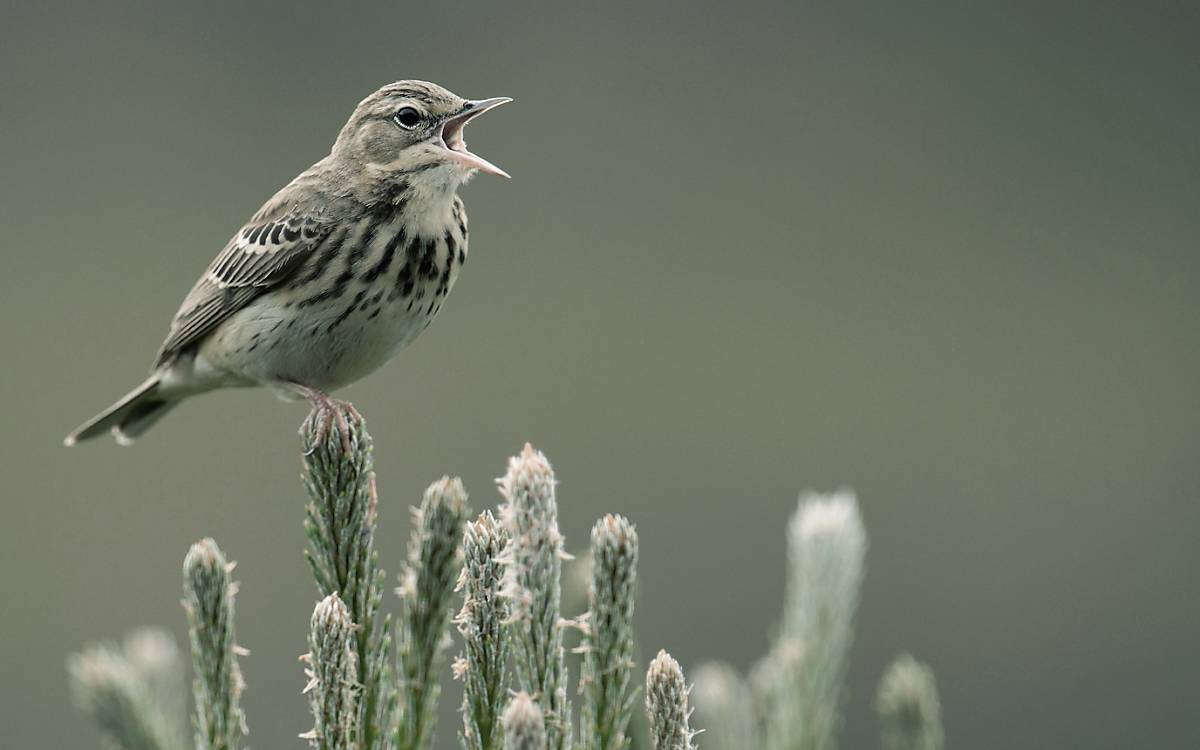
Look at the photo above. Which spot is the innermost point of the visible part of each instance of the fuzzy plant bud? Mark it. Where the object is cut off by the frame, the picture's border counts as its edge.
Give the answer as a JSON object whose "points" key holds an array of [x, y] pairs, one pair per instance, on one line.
{"points": [[533, 572], [723, 704], [208, 598], [608, 647], [827, 547], [131, 694], [524, 727], [340, 523], [156, 656], [909, 710], [332, 671], [482, 624], [667, 711], [426, 592]]}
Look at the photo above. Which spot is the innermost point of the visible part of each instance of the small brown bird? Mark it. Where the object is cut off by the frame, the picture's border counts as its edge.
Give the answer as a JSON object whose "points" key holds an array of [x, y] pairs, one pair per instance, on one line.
{"points": [[334, 274]]}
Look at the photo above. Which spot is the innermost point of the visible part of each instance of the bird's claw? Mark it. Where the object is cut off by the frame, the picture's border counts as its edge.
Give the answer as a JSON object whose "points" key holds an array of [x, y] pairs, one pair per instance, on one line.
{"points": [[325, 411]]}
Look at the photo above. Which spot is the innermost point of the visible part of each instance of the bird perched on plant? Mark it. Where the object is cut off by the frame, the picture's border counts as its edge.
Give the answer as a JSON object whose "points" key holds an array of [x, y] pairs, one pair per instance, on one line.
{"points": [[337, 272]]}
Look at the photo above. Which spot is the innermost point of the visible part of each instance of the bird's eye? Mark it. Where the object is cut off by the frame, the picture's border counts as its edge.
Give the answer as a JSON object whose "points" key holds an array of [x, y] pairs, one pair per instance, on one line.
{"points": [[407, 118]]}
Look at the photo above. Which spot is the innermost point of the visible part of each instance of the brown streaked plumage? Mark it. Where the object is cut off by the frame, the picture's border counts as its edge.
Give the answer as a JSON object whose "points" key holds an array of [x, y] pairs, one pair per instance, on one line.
{"points": [[339, 270]]}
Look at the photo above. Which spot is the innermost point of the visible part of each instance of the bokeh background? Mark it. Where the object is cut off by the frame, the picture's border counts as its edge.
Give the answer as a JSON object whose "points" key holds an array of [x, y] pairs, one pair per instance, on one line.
{"points": [[943, 253]]}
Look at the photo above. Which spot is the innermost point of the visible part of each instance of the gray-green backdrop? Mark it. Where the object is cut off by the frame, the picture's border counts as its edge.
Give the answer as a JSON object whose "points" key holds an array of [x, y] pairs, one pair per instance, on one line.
{"points": [[945, 253]]}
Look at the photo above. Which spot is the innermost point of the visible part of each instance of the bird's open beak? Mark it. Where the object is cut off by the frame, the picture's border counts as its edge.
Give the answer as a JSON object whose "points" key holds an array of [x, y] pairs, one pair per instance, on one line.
{"points": [[452, 135]]}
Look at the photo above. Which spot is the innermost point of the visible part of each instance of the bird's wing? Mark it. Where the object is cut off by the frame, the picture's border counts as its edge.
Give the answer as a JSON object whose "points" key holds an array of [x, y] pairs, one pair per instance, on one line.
{"points": [[263, 254]]}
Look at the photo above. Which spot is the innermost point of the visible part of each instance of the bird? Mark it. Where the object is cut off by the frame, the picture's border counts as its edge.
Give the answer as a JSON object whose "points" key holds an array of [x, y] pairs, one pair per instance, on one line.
{"points": [[333, 275]]}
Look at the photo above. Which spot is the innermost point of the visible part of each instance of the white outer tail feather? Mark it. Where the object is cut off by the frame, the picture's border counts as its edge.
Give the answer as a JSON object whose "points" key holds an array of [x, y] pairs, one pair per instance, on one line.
{"points": [[127, 418]]}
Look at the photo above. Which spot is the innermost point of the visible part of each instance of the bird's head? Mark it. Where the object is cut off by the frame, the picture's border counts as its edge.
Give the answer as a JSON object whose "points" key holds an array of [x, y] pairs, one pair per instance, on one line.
{"points": [[415, 127]]}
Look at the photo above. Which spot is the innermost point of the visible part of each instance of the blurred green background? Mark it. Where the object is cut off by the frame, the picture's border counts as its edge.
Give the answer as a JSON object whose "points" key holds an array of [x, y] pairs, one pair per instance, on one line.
{"points": [[945, 255]]}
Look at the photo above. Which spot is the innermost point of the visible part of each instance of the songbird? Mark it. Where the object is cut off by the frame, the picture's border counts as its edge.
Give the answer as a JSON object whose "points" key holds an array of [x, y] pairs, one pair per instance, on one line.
{"points": [[335, 274]]}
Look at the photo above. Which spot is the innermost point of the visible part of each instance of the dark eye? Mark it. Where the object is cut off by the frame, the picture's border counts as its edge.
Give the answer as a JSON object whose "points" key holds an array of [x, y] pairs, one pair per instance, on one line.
{"points": [[407, 118]]}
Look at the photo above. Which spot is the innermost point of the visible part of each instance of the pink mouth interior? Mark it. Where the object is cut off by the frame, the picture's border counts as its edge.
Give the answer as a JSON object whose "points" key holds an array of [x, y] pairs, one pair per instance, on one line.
{"points": [[452, 139], [452, 134]]}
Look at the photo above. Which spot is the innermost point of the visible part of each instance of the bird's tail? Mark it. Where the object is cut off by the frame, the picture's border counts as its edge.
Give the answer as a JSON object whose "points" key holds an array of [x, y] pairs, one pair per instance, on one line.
{"points": [[129, 417]]}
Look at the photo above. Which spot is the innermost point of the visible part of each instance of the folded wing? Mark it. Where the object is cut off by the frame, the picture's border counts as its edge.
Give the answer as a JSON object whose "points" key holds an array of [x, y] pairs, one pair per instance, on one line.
{"points": [[264, 254]]}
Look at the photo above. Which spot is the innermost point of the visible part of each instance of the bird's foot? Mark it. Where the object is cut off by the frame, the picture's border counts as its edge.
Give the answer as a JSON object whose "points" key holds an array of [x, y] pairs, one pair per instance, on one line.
{"points": [[325, 411]]}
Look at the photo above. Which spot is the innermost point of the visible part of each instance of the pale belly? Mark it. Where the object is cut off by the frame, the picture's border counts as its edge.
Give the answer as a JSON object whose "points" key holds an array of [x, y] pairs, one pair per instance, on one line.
{"points": [[322, 346]]}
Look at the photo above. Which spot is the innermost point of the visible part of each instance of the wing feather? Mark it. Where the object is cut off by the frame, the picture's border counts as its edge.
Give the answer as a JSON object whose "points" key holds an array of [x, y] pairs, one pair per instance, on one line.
{"points": [[260, 256]]}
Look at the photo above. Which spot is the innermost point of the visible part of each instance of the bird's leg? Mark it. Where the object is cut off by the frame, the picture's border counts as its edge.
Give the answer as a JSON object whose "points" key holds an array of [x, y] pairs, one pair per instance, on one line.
{"points": [[325, 410]]}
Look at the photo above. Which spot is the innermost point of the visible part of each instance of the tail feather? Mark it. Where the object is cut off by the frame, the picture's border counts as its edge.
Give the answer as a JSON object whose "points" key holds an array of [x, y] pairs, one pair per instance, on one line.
{"points": [[141, 419], [129, 417]]}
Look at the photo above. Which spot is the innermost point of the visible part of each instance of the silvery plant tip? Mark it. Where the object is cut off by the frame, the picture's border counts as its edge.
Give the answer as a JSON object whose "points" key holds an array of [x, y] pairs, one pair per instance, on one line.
{"points": [[332, 671], [532, 578], [667, 710], [608, 640], [804, 692], [208, 600], [724, 707], [340, 521], [524, 727], [426, 594], [482, 623], [133, 693], [909, 710]]}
